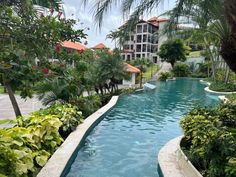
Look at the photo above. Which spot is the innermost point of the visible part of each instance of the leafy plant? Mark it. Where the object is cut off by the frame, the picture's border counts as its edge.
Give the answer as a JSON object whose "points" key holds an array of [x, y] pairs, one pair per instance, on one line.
{"points": [[210, 140], [173, 50], [26, 147], [164, 76], [181, 70], [222, 87]]}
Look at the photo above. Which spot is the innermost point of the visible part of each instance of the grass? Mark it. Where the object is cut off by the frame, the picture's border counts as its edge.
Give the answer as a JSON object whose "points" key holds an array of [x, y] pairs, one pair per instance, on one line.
{"points": [[1, 89], [150, 72], [6, 121], [194, 54]]}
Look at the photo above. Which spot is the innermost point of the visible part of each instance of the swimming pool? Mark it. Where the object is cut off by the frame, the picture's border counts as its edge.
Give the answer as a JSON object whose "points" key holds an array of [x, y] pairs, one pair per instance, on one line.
{"points": [[126, 142]]}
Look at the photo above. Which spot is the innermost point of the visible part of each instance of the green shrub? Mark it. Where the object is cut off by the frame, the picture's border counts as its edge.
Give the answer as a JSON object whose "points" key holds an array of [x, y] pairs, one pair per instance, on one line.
{"points": [[210, 140], [88, 105], [69, 116], [164, 76], [231, 97], [25, 148], [222, 87], [181, 70]]}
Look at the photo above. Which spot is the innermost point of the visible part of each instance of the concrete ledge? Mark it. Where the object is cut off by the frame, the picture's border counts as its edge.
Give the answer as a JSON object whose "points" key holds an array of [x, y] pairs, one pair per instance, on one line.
{"points": [[205, 82], [215, 92], [174, 163], [57, 163], [223, 99]]}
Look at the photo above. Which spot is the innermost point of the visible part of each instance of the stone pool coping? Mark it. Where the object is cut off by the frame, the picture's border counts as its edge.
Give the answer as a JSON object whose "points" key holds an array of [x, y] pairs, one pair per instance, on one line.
{"points": [[173, 162], [223, 99], [215, 92], [205, 82], [58, 161]]}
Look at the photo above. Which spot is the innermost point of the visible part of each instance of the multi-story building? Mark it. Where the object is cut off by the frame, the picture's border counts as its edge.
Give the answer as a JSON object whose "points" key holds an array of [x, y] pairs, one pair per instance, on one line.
{"points": [[145, 41]]}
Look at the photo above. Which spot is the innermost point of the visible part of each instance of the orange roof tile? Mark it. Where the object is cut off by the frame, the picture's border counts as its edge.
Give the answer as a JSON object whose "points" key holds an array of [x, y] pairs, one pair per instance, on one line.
{"points": [[131, 69], [99, 46], [73, 45], [155, 20], [158, 19]]}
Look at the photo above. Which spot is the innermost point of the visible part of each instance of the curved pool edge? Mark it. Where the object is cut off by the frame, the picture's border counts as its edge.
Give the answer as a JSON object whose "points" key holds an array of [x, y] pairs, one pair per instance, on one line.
{"points": [[56, 165], [173, 161], [215, 92]]}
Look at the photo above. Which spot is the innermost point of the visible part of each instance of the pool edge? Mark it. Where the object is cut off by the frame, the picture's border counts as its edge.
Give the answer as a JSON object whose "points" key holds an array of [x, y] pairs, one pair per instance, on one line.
{"points": [[58, 161], [173, 161]]}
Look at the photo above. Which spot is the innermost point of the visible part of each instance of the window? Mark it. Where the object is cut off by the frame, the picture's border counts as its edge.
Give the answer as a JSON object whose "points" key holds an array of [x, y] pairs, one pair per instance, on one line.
{"points": [[154, 59], [139, 38], [149, 28], [144, 48], [138, 55], [126, 47], [144, 38], [132, 37], [149, 38], [148, 48], [123, 56], [132, 55], [144, 56], [128, 57], [139, 28], [145, 28], [131, 46], [138, 48]]}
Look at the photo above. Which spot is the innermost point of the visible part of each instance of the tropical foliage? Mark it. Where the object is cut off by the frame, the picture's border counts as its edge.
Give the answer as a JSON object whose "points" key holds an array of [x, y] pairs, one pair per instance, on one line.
{"points": [[210, 140], [26, 36], [172, 51], [223, 87], [164, 76], [26, 147], [181, 70]]}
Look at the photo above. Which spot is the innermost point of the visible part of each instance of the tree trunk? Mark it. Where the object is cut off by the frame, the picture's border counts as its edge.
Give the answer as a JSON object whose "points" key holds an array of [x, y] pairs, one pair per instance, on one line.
{"points": [[228, 52], [226, 78], [141, 79], [229, 47], [13, 99]]}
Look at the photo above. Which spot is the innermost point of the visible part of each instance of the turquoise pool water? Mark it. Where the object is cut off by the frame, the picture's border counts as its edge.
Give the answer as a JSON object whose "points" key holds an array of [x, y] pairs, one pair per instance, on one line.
{"points": [[126, 142]]}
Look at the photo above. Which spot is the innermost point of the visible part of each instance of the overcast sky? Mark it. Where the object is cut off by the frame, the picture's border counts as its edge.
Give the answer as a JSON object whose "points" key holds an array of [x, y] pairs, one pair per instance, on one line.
{"points": [[74, 9]]}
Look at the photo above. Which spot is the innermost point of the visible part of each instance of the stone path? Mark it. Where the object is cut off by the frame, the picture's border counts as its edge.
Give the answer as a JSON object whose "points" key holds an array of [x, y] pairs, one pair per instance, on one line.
{"points": [[26, 106]]}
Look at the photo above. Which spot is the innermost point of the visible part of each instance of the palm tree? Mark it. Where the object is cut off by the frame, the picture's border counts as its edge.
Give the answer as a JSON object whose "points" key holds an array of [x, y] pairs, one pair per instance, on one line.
{"points": [[228, 51]]}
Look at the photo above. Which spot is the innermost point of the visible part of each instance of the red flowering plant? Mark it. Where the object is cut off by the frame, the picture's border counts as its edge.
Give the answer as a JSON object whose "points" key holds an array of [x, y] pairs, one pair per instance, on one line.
{"points": [[25, 37]]}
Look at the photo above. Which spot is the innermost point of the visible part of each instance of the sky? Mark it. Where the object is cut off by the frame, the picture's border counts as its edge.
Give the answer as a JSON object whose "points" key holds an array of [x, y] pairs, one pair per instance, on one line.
{"points": [[114, 19]]}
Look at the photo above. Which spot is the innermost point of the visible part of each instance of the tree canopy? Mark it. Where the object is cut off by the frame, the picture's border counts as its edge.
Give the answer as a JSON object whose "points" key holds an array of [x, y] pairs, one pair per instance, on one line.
{"points": [[173, 50], [24, 38]]}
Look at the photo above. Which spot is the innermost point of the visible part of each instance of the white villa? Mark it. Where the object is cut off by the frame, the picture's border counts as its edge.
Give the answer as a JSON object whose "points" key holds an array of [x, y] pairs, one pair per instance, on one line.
{"points": [[145, 41]]}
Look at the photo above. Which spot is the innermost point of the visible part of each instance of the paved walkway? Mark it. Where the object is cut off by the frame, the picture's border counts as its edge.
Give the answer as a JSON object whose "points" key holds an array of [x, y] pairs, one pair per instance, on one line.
{"points": [[165, 67], [26, 106]]}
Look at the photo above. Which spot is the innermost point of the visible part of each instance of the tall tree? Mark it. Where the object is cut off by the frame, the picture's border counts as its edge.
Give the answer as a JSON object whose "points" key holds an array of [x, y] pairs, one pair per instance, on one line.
{"points": [[26, 37], [172, 51]]}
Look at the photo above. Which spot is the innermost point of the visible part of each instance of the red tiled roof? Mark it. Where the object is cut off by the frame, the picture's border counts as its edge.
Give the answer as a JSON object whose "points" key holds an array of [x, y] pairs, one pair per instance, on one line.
{"points": [[155, 20], [73, 45], [158, 19], [99, 46], [131, 69]]}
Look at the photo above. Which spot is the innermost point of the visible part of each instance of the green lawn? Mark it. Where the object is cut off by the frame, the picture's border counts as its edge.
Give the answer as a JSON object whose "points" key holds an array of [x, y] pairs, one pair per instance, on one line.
{"points": [[194, 54], [150, 72], [1, 89]]}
